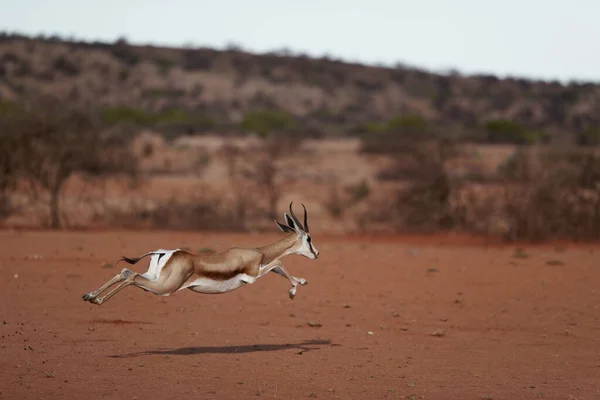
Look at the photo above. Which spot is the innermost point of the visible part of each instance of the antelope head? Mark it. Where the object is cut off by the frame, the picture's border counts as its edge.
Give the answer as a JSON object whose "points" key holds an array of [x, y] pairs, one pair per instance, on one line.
{"points": [[304, 244]]}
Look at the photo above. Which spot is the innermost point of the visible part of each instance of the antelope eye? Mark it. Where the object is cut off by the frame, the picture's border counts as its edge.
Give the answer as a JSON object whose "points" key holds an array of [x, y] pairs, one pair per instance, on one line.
{"points": [[308, 239]]}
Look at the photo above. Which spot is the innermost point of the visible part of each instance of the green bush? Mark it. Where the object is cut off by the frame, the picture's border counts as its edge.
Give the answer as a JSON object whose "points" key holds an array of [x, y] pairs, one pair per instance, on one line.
{"points": [[8, 107], [408, 123], [590, 137], [394, 135], [176, 118], [511, 132], [264, 122], [370, 127], [125, 115]]}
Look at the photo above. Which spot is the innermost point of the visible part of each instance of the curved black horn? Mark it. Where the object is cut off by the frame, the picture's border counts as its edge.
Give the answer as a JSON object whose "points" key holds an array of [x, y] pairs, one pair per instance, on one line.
{"points": [[305, 219], [296, 221]]}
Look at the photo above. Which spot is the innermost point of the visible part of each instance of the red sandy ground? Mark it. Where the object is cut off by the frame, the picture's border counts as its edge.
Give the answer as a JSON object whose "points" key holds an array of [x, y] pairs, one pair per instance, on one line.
{"points": [[449, 320]]}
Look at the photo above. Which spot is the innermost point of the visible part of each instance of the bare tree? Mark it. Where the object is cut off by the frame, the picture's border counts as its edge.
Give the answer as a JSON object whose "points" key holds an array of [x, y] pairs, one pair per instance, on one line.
{"points": [[260, 166], [10, 164], [233, 157], [266, 169], [58, 141]]}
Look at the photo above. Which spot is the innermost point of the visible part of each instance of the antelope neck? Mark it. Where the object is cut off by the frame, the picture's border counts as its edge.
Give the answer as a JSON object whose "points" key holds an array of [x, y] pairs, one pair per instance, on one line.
{"points": [[277, 249]]}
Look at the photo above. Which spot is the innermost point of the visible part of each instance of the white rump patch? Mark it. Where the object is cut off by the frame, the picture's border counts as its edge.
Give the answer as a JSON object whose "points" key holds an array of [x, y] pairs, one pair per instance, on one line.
{"points": [[158, 260]]}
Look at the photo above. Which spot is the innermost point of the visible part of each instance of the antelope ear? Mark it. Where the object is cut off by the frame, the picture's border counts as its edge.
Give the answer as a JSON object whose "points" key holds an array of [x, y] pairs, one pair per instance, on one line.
{"points": [[284, 228], [290, 221]]}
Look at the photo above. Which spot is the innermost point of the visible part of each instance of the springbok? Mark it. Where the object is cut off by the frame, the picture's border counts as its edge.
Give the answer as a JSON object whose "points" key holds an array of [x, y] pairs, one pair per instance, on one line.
{"points": [[173, 270]]}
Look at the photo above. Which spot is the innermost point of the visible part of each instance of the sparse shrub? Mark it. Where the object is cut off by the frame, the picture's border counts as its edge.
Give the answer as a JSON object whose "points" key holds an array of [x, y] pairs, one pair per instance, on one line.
{"points": [[148, 150], [233, 158], [266, 171], [23, 69], [198, 59], [175, 120], [164, 65], [125, 115], [359, 191], [334, 203], [66, 66], [430, 197], [8, 107], [521, 166], [261, 166], [368, 128], [511, 132], [562, 200], [125, 53], [200, 214], [340, 199], [407, 124], [589, 137], [124, 73], [396, 135], [264, 122], [429, 203]]}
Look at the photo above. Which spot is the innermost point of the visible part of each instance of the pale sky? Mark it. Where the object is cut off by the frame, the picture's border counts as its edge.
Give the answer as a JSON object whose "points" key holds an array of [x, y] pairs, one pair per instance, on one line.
{"points": [[526, 38]]}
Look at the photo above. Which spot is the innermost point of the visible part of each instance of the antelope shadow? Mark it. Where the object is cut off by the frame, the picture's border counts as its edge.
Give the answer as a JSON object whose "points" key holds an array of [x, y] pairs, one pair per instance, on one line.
{"points": [[307, 345]]}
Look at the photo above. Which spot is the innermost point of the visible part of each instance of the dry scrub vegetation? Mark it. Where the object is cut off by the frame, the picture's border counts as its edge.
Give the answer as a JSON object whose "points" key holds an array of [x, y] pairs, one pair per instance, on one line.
{"points": [[419, 181], [158, 138]]}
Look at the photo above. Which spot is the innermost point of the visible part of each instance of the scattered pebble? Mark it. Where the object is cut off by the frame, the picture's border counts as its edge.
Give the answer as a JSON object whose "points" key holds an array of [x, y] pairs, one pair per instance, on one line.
{"points": [[438, 333], [314, 324], [520, 253], [369, 333]]}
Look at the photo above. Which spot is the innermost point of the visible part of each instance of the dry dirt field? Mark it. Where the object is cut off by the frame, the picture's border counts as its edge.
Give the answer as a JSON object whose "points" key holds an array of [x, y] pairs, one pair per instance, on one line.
{"points": [[381, 317]]}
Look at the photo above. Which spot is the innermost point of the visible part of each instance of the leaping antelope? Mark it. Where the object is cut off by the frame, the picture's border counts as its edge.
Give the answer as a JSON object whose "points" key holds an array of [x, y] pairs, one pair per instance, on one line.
{"points": [[173, 270]]}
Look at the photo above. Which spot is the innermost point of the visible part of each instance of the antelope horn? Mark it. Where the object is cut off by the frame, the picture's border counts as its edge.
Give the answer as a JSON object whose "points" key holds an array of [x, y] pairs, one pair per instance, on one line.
{"points": [[296, 221], [305, 219]]}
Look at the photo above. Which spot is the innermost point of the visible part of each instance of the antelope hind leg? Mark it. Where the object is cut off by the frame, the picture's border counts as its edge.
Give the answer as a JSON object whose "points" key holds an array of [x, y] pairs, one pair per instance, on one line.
{"points": [[110, 294], [124, 274]]}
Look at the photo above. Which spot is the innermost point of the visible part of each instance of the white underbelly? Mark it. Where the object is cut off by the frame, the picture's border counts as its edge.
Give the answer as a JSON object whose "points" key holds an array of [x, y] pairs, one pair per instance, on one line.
{"points": [[207, 285]]}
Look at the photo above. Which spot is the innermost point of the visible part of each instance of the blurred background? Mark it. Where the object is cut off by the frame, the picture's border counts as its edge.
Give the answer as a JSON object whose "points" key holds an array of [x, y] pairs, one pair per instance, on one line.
{"points": [[379, 116]]}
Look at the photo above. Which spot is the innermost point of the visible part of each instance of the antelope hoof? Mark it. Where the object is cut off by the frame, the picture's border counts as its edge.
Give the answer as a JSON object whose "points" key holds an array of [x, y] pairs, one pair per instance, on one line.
{"points": [[292, 293], [87, 296], [302, 281], [95, 300]]}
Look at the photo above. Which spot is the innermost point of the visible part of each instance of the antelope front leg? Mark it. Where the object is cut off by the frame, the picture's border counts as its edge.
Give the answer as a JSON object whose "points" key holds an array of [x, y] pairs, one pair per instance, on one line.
{"points": [[293, 280]]}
